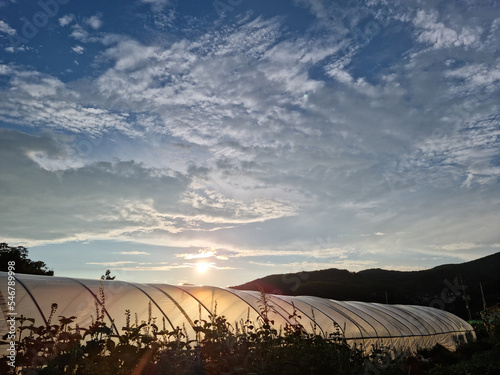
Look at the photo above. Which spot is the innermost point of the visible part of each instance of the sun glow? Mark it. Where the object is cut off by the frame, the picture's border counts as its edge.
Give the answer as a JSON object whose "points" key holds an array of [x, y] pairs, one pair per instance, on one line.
{"points": [[202, 267]]}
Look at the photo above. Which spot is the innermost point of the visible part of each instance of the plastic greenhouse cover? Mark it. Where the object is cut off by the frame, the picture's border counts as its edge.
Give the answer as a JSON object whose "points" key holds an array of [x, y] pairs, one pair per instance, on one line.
{"points": [[362, 324]]}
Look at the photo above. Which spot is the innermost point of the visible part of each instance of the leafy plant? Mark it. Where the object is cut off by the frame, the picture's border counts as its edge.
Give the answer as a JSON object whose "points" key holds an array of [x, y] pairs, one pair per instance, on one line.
{"points": [[220, 347]]}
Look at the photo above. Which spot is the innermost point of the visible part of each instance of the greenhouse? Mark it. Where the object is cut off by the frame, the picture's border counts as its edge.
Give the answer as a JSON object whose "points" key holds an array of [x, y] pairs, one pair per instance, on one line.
{"points": [[364, 325]]}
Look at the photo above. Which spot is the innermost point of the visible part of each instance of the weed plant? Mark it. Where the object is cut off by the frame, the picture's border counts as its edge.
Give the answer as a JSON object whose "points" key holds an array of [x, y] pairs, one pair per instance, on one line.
{"points": [[220, 347]]}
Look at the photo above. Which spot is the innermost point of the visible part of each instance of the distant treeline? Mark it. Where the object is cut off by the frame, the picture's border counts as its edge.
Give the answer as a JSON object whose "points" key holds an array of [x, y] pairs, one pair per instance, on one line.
{"points": [[451, 287]]}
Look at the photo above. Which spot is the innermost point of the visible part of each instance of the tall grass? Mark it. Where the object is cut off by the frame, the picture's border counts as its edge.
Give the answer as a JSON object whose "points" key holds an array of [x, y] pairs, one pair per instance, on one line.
{"points": [[221, 347]]}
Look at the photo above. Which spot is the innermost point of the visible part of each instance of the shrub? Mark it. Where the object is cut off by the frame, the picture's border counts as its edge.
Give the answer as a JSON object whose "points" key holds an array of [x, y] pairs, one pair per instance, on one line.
{"points": [[220, 347]]}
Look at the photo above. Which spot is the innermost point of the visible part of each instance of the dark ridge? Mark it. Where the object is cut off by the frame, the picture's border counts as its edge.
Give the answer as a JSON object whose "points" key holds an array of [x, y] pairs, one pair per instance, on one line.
{"points": [[446, 286]]}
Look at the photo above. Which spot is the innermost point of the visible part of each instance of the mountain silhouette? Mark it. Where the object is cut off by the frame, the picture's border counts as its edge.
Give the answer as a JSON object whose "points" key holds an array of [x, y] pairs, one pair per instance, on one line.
{"points": [[450, 287]]}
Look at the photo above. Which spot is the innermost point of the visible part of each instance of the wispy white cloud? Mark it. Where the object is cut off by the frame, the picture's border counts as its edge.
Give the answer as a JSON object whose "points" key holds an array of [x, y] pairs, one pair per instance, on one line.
{"points": [[66, 19], [78, 49], [120, 211], [257, 137], [95, 21], [79, 33], [5, 69], [111, 264], [41, 100], [337, 253], [202, 266], [134, 253], [130, 54], [157, 5], [441, 36], [215, 208], [169, 267], [151, 268], [202, 254], [6, 29], [466, 246], [474, 77]]}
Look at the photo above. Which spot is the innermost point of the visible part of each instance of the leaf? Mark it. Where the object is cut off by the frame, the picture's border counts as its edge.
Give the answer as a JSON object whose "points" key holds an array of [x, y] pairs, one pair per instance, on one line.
{"points": [[65, 321]]}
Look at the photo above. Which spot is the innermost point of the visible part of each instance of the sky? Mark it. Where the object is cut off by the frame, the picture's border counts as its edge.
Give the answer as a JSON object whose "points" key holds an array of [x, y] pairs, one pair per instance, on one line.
{"points": [[215, 142]]}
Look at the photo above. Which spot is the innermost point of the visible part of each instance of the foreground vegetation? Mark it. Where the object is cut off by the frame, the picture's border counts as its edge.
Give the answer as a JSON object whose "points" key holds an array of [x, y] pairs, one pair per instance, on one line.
{"points": [[220, 347]]}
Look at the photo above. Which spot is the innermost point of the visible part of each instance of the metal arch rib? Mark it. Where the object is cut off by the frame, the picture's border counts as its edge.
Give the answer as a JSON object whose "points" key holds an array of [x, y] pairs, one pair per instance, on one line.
{"points": [[34, 300], [151, 299], [258, 299], [188, 318], [435, 315], [336, 304], [295, 307], [352, 305], [332, 307], [383, 314], [99, 302], [414, 315], [230, 292], [193, 297], [236, 295], [397, 312], [209, 311]]}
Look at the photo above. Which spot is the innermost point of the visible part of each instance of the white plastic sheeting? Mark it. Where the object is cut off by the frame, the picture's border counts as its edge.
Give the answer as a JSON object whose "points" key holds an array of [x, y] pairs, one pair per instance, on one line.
{"points": [[363, 324]]}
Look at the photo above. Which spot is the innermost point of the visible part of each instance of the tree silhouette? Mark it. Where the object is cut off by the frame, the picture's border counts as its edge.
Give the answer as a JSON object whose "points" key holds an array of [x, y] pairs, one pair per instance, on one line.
{"points": [[107, 276], [19, 254]]}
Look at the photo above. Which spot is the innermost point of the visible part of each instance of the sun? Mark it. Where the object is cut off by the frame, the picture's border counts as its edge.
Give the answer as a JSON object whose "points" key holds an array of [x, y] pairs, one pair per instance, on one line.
{"points": [[202, 267]]}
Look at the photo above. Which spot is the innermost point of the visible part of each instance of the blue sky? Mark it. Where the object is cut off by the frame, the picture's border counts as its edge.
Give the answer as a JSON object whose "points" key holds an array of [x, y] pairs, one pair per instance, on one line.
{"points": [[255, 137]]}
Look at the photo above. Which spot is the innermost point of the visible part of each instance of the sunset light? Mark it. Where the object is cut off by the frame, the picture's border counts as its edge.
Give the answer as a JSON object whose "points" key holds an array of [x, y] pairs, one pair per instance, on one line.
{"points": [[202, 267], [274, 183], [164, 139]]}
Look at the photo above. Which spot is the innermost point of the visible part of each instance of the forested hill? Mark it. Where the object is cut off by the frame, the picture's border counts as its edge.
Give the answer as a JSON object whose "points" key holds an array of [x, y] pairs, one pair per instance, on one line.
{"points": [[445, 286]]}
